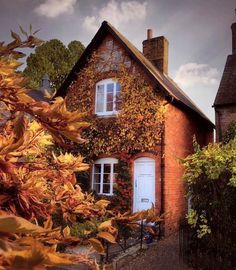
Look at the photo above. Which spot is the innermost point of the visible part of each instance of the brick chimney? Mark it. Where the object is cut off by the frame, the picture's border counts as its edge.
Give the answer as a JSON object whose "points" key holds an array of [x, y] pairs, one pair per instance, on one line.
{"points": [[233, 27], [156, 50]]}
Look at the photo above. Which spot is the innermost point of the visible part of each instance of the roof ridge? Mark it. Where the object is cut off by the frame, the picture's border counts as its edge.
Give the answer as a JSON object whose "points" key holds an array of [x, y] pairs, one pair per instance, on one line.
{"points": [[160, 75], [186, 95], [165, 81]]}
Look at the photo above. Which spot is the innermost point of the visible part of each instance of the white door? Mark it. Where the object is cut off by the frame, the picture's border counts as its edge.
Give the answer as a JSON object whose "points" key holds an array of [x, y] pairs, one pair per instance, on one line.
{"points": [[144, 184]]}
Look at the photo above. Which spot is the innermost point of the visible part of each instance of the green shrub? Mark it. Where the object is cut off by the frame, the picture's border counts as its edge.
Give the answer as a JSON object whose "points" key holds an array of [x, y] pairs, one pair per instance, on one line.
{"points": [[230, 132], [210, 176]]}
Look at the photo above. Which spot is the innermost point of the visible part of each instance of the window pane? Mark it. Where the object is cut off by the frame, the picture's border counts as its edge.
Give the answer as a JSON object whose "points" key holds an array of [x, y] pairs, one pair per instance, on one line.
{"points": [[97, 168], [97, 178], [110, 97], [96, 187], [109, 106], [118, 98], [107, 178], [100, 98], [107, 168], [106, 188], [110, 87]]}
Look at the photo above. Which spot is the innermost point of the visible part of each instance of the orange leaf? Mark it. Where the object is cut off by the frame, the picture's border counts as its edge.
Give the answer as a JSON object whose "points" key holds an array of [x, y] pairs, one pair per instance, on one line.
{"points": [[97, 245], [48, 224], [107, 236]]}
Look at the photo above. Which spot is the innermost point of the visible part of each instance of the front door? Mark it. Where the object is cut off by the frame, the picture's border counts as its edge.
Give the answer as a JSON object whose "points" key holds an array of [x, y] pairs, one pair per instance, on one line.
{"points": [[144, 184]]}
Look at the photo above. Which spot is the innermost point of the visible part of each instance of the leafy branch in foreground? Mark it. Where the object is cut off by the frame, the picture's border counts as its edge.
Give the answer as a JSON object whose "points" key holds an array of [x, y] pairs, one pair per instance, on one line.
{"points": [[36, 183]]}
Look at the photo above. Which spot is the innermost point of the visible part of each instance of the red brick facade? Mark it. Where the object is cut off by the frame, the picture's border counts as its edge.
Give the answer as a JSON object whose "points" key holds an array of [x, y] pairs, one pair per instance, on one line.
{"points": [[180, 127]]}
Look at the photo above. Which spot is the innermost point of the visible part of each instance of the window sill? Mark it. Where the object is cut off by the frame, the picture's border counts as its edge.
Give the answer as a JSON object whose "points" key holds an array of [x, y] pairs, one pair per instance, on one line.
{"points": [[105, 194], [107, 115], [115, 114]]}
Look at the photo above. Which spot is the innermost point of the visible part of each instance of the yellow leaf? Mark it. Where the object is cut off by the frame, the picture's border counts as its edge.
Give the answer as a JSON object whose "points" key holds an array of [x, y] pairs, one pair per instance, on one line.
{"points": [[34, 126], [19, 125], [48, 224], [107, 236], [13, 224], [102, 203], [97, 245], [58, 259], [105, 224], [26, 259], [66, 231]]}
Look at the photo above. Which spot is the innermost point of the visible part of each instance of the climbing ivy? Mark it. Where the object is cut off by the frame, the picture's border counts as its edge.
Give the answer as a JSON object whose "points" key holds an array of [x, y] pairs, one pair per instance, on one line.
{"points": [[230, 132], [136, 128], [138, 125]]}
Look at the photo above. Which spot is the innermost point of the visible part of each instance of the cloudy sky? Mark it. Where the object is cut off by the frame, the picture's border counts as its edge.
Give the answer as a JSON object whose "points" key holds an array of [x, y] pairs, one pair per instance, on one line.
{"points": [[198, 32]]}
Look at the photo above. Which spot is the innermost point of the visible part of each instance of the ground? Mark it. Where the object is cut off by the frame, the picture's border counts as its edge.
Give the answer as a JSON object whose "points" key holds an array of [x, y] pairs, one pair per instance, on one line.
{"points": [[162, 255]]}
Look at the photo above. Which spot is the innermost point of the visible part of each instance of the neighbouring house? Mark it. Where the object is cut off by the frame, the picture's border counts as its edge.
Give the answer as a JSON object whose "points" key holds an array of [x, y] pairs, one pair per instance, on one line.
{"points": [[45, 92], [225, 101], [141, 123]]}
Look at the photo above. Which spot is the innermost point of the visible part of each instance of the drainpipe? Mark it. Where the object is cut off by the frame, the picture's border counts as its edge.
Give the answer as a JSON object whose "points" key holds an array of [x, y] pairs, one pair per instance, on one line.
{"points": [[162, 228], [162, 171], [170, 99]]}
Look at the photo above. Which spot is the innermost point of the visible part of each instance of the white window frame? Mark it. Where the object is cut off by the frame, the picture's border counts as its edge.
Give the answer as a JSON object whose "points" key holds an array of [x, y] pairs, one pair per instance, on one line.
{"points": [[102, 162], [105, 83]]}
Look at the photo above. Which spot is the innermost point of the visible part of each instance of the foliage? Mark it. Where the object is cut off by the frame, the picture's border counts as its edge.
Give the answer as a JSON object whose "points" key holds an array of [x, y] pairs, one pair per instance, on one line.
{"points": [[28, 246], [136, 128], [210, 176], [54, 59], [230, 132], [123, 187], [36, 183], [27, 187]]}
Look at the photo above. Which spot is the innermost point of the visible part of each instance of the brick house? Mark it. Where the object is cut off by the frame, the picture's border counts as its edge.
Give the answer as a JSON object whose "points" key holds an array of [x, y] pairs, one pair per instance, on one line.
{"points": [[225, 101], [156, 176]]}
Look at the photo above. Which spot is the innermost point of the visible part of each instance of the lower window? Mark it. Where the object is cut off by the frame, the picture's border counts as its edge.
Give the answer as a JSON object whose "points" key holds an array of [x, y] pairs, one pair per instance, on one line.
{"points": [[104, 175]]}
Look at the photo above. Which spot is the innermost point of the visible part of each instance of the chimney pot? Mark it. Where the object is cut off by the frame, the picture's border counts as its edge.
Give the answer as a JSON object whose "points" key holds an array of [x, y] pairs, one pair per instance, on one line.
{"points": [[149, 34]]}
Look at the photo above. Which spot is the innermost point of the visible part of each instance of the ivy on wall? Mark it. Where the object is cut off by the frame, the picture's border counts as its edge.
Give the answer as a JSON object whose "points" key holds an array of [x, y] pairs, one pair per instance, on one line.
{"points": [[136, 128], [123, 186], [230, 133]]}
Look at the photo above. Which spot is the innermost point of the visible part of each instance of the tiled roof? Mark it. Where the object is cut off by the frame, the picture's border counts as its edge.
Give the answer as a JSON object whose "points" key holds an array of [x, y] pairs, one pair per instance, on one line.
{"points": [[226, 94], [165, 81], [38, 95]]}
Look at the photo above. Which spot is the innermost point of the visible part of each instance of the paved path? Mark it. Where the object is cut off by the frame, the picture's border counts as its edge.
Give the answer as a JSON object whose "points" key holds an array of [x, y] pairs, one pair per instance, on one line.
{"points": [[162, 255]]}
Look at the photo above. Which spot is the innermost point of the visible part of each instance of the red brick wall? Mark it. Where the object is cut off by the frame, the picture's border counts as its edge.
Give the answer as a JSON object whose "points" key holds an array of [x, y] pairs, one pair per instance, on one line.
{"points": [[224, 116], [180, 127]]}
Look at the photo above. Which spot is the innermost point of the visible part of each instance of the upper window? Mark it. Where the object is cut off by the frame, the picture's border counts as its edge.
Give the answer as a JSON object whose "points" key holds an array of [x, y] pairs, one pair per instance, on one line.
{"points": [[104, 175], [107, 97]]}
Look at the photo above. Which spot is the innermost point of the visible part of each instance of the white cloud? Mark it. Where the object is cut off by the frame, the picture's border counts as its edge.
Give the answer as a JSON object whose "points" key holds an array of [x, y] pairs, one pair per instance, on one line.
{"points": [[54, 8], [194, 74], [117, 13]]}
